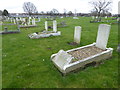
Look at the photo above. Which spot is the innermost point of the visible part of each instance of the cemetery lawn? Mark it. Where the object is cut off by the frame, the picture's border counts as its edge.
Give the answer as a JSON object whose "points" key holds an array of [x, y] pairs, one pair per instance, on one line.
{"points": [[26, 62]]}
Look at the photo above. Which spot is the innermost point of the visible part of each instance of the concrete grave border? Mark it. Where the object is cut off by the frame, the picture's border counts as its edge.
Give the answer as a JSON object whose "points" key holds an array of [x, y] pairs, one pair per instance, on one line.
{"points": [[81, 63]]}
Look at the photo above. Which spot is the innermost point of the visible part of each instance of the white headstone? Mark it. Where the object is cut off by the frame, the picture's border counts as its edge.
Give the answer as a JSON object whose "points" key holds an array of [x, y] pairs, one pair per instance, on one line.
{"points": [[20, 19], [29, 21], [11, 20], [75, 18], [102, 36], [33, 21], [96, 17], [118, 19], [55, 26], [46, 25], [14, 21], [77, 34], [62, 58], [17, 19], [39, 19], [93, 17], [106, 17]]}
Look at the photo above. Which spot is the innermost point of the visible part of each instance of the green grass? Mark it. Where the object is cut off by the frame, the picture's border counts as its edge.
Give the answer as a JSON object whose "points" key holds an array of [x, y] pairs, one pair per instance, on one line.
{"points": [[26, 62]]}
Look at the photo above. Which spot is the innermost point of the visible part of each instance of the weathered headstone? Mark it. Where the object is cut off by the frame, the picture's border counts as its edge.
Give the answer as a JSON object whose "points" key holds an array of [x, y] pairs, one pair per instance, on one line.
{"points": [[118, 19], [46, 25], [75, 18], [39, 19], [77, 34], [14, 21], [102, 36], [33, 21], [106, 17], [62, 58], [55, 26], [29, 21], [93, 17]]}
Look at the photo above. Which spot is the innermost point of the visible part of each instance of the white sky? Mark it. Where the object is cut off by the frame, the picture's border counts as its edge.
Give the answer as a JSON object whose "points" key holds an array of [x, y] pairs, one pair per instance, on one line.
{"points": [[82, 6]]}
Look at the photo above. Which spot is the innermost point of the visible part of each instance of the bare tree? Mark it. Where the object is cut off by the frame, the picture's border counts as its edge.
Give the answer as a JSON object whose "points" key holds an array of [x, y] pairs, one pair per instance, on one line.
{"points": [[29, 8], [70, 13], [101, 6], [54, 12]]}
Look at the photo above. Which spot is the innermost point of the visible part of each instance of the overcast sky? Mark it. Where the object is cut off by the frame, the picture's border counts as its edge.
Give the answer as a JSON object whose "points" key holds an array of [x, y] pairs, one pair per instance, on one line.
{"points": [[82, 6]]}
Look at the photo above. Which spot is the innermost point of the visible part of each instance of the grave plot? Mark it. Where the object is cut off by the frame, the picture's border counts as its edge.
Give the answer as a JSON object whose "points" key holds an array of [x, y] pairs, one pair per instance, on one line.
{"points": [[50, 18], [71, 60], [27, 22], [75, 18], [117, 21], [46, 33], [9, 28]]}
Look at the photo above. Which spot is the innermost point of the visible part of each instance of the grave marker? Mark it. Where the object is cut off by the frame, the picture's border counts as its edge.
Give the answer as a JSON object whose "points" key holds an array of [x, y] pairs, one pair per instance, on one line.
{"points": [[77, 34], [103, 35], [62, 58], [46, 25], [55, 26], [33, 21], [14, 21]]}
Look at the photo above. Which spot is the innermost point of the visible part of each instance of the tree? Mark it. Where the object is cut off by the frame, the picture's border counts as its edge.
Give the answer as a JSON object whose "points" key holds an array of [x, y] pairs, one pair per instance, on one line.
{"points": [[29, 8], [70, 13], [42, 12], [5, 13], [54, 12], [100, 6], [1, 13]]}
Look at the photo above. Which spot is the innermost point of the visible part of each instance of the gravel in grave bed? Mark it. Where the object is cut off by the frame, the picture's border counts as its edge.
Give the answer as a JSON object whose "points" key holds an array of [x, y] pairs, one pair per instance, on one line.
{"points": [[45, 32], [85, 53]]}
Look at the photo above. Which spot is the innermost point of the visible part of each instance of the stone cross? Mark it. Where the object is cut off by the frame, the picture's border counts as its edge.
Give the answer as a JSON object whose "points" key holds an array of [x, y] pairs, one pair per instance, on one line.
{"points": [[77, 34], [102, 36], [55, 26], [46, 25]]}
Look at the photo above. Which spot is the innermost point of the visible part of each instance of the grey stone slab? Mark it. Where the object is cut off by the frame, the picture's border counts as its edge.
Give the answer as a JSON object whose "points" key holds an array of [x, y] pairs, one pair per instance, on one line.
{"points": [[62, 58], [102, 36]]}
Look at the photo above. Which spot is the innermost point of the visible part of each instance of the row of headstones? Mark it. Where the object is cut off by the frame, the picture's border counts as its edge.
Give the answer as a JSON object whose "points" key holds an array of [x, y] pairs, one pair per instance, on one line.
{"points": [[93, 17], [102, 36], [54, 25], [25, 21]]}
